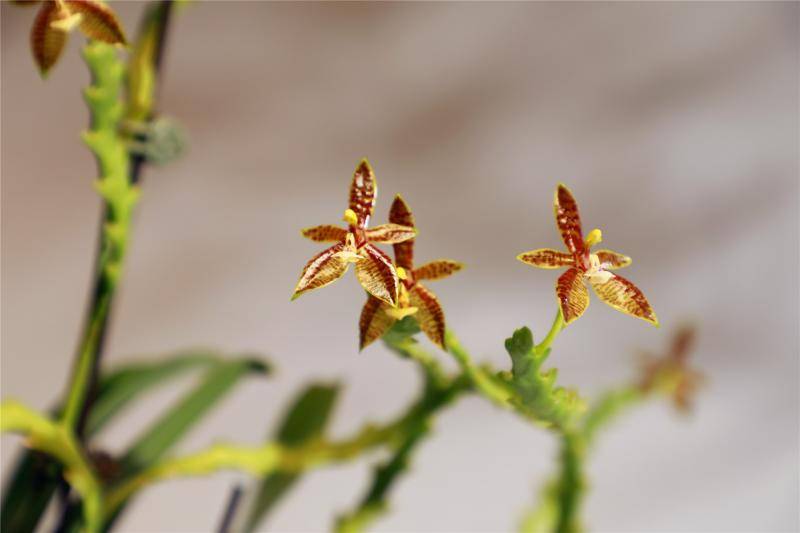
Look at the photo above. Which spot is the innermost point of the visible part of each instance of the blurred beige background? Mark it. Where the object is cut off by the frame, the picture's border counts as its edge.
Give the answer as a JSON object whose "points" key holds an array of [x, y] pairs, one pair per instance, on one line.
{"points": [[675, 124]]}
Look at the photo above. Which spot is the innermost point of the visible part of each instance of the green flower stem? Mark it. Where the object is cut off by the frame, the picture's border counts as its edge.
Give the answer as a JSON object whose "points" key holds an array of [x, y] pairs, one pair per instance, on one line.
{"points": [[86, 360], [374, 503], [58, 441], [485, 382], [119, 195], [608, 407], [263, 460], [571, 484], [561, 498], [408, 347], [555, 329]]}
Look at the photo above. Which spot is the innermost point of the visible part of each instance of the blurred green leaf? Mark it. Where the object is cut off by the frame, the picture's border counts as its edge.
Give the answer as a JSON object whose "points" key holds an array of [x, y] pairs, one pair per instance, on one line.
{"points": [[122, 386], [35, 476], [30, 486], [306, 420], [172, 426]]}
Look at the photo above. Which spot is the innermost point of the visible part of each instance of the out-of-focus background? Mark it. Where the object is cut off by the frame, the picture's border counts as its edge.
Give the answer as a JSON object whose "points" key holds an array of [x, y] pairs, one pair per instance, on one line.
{"points": [[675, 125]]}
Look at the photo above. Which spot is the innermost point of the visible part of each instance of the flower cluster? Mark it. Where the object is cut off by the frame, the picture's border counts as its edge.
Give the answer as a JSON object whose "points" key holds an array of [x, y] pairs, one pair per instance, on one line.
{"points": [[395, 289]]}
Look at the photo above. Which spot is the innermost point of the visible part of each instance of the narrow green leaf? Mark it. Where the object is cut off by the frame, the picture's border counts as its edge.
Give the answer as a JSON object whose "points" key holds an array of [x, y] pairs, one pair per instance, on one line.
{"points": [[121, 387], [172, 426], [306, 420], [35, 477], [28, 491]]}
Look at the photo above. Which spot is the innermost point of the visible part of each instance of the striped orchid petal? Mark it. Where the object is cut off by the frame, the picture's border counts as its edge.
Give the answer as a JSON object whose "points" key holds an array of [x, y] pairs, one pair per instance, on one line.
{"points": [[47, 42], [429, 313], [377, 274], [374, 322], [323, 269], [612, 260], [546, 258], [573, 296], [363, 191], [400, 213], [325, 233], [623, 296], [98, 21], [390, 233], [437, 269], [568, 219]]}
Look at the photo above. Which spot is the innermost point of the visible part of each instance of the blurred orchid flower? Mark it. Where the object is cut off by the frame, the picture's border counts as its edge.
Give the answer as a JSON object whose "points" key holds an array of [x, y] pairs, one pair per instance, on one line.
{"points": [[573, 296], [671, 373], [414, 298], [374, 268], [56, 18]]}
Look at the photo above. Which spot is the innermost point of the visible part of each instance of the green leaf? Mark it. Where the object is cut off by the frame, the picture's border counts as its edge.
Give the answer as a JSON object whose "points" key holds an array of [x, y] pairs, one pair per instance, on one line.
{"points": [[117, 390], [305, 421], [28, 491], [35, 476], [172, 426]]}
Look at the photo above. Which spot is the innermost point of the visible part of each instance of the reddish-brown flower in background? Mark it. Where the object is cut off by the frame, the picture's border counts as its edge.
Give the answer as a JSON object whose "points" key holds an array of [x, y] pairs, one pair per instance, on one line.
{"points": [[374, 268], [56, 18], [414, 298], [671, 373], [573, 297]]}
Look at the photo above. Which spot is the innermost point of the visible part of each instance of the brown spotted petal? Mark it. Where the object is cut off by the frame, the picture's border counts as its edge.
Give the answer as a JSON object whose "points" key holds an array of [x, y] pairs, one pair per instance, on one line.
{"points": [[437, 269], [400, 213], [573, 296], [568, 219], [429, 313], [363, 190], [47, 42], [611, 260], [390, 233], [325, 233], [623, 296], [374, 322], [98, 21], [323, 269], [546, 258], [377, 275]]}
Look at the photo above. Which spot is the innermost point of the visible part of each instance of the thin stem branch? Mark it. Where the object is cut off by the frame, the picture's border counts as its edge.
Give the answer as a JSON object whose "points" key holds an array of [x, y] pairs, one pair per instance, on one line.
{"points": [[485, 382], [571, 482], [555, 329], [256, 460]]}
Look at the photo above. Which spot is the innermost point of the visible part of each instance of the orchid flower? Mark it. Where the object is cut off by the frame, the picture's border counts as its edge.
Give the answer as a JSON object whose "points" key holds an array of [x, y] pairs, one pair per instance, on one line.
{"points": [[354, 244], [414, 298], [671, 372], [583, 265], [56, 18]]}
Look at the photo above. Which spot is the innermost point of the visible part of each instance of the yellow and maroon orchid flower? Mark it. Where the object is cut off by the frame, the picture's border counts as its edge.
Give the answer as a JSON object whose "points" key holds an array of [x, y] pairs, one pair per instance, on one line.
{"points": [[414, 298], [56, 18], [354, 244], [583, 265]]}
